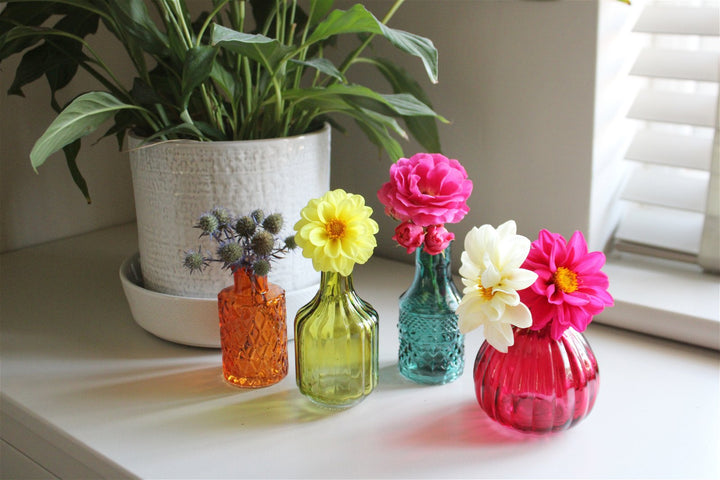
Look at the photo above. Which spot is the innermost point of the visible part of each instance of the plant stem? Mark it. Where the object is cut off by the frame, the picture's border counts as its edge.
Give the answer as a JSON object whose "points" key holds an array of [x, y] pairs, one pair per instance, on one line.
{"points": [[207, 21], [349, 60], [180, 17]]}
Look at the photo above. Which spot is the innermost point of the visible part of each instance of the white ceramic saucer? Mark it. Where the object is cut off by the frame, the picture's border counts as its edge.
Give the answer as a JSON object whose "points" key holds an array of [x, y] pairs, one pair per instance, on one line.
{"points": [[185, 320]]}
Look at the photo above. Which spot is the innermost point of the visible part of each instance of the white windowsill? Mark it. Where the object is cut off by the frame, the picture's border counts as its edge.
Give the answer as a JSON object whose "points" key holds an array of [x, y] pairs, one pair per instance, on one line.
{"points": [[86, 393], [662, 298]]}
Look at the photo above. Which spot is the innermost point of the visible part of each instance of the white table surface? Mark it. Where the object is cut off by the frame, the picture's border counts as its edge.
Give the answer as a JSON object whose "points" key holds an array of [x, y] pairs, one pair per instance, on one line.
{"points": [[86, 392]]}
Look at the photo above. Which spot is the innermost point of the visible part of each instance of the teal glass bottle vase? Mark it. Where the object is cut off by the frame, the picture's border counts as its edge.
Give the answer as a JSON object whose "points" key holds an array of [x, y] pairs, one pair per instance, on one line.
{"points": [[336, 345], [432, 349]]}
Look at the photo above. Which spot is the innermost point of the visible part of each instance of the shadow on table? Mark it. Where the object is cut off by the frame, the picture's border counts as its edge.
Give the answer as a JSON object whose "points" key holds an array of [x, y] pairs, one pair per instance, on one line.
{"points": [[466, 424], [279, 408], [389, 378]]}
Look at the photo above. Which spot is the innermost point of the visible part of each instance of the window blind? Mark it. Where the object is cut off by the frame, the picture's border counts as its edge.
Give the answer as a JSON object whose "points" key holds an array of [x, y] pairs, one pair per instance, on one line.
{"points": [[671, 198]]}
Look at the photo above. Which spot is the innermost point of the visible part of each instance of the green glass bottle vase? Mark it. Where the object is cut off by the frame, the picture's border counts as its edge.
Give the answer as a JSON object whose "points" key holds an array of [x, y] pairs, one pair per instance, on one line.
{"points": [[432, 349], [336, 345]]}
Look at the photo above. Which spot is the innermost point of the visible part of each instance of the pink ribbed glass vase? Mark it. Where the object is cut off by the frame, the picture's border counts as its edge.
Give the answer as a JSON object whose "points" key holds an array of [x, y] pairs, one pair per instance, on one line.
{"points": [[540, 385]]}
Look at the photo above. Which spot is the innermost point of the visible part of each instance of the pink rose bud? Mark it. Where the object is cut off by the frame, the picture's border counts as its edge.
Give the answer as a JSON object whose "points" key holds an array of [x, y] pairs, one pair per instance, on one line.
{"points": [[437, 239], [409, 235]]}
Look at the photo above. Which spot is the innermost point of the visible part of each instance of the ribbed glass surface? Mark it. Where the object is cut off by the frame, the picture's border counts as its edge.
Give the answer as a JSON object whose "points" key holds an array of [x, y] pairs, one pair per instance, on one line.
{"points": [[540, 385], [336, 345]]}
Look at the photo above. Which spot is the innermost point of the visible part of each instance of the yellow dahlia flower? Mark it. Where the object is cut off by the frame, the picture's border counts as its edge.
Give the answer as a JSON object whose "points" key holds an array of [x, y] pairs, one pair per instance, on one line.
{"points": [[336, 232]]}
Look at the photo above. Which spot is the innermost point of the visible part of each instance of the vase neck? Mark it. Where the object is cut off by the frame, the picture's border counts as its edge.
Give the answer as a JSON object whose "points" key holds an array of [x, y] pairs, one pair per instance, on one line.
{"points": [[334, 284], [433, 282], [436, 265], [246, 280]]}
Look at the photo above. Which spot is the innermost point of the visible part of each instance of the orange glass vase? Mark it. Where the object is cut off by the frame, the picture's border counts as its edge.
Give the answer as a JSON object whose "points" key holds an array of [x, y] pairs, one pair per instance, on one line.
{"points": [[253, 332]]}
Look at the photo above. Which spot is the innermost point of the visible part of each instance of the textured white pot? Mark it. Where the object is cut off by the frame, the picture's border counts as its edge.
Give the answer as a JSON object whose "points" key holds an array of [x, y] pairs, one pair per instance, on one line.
{"points": [[176, 181]]}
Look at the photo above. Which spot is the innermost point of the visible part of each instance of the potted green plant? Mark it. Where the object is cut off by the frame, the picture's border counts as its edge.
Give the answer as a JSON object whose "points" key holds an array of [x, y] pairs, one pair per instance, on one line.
{"points": [[216, 77], [238, 72]]}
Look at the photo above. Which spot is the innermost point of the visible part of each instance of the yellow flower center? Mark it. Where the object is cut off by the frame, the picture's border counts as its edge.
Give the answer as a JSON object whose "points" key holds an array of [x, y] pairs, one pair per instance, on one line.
{"points": [[335, 229], [486, 293], [566, 280]]}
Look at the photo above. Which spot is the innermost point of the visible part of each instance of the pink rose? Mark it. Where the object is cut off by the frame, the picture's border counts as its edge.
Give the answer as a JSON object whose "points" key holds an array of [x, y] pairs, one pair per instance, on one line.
{"points": [[427, 189], [437, 238], [409, 236]]}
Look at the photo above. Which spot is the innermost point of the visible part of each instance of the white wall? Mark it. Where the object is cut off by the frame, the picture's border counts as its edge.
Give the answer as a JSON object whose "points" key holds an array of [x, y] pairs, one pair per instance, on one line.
{"points": [[516, 81], [36, 208]]}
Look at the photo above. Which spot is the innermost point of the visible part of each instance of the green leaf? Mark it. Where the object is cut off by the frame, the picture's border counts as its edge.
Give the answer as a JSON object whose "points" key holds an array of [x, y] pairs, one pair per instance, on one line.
{"points": [[81, 117], [260, 48], [423, 129], [323, 65], [143, 93], [196, 69], [359, 20], [67, 52], [415, 45], [134, 21], [71, 153], [262, 10], [393, 104], [58, 57], [179, 130], [227, 82], [378, 135], [388, 122], [376, 126], [122, 122], [31, 67], [321, 8], [355, 20], [29, 15], [407, 105], [25, 14]]}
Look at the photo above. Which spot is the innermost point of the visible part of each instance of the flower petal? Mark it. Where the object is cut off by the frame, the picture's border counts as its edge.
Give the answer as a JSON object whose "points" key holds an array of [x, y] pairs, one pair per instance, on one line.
{"points": [[499, 335], [518, 315]]}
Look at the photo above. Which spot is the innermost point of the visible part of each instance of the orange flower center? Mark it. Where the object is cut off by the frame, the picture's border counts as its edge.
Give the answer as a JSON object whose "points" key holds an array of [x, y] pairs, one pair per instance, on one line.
{"points": [[335, 229], [566, 280]]}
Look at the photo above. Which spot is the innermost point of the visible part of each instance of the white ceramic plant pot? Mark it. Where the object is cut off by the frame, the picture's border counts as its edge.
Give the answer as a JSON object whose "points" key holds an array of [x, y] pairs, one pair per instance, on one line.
{"points": [[176, 181]]}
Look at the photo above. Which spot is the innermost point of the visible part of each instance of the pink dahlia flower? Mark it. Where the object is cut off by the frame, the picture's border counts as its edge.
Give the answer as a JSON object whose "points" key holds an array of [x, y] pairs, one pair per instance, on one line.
{"points": [[570, 288], [409, 235], [437, 238], [426, 189]]}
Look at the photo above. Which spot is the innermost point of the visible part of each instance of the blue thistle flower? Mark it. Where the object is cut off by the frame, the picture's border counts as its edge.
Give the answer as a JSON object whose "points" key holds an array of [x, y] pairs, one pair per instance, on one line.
{"points": [[245, 227], [290, 242], [245, 242], [230, 253], [263, 243], [258, 215], [273, 223], [223, 217], [195, 261], [208, 223], [261, 267]]}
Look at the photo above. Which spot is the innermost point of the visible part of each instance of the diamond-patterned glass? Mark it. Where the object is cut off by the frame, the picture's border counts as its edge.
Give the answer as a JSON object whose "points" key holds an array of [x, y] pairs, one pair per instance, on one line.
{"points": [[432, 349], [253, 332]]}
